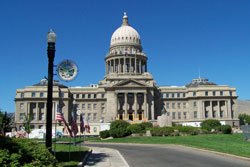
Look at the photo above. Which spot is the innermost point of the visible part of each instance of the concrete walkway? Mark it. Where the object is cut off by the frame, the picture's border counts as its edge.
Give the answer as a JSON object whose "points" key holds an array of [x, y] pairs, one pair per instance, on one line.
{"points": [[105, 157]]}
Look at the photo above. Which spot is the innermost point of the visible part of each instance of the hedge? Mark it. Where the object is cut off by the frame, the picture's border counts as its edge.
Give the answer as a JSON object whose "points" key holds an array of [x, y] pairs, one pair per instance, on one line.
{"points": [[174, 131], [24, 152]]}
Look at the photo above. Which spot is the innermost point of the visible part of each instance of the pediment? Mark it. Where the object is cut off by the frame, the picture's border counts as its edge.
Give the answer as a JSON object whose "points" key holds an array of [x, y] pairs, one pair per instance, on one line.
{"points": [[130, 83]]}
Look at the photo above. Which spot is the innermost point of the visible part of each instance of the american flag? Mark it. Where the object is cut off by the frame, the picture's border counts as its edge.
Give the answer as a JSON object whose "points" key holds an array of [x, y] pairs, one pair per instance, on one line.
{"points": [[82, 129], [73, 124], [59, 111], [59, 114], [87, 128]]}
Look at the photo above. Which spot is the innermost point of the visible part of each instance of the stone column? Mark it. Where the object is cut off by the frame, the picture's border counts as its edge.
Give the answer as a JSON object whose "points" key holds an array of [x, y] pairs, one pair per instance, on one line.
{"points": [[145, 104], [37, 111], [28, 109], [135, 103], [199, 112], [119, 65], [130, 65], [229, 109], [124, 65], [140, 66], [153, 110], [45, 113], [218, 105], [116, 104], [203, 109], [226, 109], [211, 109], [135, 65], [126, 106]]}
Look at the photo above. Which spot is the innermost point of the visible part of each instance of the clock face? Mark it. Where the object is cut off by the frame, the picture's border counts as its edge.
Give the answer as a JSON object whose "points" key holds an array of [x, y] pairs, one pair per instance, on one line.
{"points": [[67, 70]]}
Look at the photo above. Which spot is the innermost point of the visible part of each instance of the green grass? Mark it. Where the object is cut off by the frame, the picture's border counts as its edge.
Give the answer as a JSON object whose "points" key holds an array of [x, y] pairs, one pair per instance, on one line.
{"points": [[232, 144], [65, 139], [62, 155]]}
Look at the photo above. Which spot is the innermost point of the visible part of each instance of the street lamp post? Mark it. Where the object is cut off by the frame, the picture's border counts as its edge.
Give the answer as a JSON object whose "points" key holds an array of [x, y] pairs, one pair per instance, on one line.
{"points": [[51, 39]]}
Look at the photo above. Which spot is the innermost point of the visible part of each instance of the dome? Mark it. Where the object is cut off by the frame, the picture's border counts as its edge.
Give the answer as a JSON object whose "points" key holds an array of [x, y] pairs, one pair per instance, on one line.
{"points": [[125, 34]]}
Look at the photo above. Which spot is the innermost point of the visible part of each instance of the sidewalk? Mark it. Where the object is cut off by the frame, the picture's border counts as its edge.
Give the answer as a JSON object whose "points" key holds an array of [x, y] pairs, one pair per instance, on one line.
{"points": [[105, 157]]}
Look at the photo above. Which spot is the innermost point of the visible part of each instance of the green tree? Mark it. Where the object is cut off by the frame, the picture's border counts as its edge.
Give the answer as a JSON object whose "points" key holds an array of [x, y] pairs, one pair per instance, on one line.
{"points": [[27, 124], [245, 118], [210, 124], [5, 123]]}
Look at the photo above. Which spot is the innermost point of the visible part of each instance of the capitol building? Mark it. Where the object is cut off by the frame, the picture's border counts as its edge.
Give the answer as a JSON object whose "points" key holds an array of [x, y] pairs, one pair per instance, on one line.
{"points": [[129, 92]]}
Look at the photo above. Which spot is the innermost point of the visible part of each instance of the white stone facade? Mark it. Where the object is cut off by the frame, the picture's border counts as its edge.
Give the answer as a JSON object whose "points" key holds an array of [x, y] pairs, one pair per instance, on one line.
{"points": [[129, 92]]}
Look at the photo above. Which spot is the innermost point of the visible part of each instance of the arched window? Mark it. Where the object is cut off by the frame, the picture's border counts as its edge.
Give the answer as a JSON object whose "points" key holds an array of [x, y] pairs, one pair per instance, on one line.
{"points": [[95, 129]]}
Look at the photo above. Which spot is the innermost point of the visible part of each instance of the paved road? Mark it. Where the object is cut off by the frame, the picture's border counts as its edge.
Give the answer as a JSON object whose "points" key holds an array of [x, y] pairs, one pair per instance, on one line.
{"points": [[171, 156]]}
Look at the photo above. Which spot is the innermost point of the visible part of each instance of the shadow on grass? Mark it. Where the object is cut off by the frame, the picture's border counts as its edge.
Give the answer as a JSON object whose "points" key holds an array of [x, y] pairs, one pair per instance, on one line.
{"points": [[74, 156], [95, 158]]}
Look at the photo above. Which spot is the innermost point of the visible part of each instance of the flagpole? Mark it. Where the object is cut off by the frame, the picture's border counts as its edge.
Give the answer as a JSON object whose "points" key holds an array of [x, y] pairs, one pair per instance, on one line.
{"points": [[55, 141]]}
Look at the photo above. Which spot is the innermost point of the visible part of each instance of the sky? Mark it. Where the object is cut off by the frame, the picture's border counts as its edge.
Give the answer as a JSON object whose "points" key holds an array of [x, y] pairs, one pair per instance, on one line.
{"points": [[179, 37]]}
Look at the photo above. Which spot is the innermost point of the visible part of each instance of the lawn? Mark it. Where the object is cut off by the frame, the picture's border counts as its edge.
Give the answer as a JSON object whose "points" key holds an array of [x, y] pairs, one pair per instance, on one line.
{"points": [[66, 160], [227, 143]]}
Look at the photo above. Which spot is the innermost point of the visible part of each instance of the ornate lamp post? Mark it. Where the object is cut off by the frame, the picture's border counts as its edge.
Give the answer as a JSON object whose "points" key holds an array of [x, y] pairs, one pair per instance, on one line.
{"points": [[51, 39]]}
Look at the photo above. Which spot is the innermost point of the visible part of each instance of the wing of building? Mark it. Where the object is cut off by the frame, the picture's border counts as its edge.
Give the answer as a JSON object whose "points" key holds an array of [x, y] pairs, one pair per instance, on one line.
{"points": [[129, 92]]}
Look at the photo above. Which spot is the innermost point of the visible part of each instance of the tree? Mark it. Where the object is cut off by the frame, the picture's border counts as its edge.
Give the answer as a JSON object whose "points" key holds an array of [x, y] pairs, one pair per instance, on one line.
{"points": [[245, 118], [5, 122], [27, 124]]}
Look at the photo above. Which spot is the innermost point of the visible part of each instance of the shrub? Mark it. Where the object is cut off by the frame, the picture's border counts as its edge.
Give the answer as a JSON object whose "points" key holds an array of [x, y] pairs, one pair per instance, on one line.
{"points": [[135, 128], [119, 129], [146, 125], [226, 129], [104, 134], [245, 118], [210, 124], [24, 152]]}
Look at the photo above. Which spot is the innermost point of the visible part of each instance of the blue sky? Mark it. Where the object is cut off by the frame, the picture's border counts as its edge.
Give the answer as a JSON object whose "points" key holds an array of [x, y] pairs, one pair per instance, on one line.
{"points": [[178, 36]]}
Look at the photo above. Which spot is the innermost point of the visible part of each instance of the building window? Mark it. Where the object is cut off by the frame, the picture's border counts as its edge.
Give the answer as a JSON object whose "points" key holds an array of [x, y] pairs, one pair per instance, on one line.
{"points": [[185, 115], [173, 115], [89, 106], [173, 105], [83, 106], [161, 95], [214, 93], [33, 116], [103, 95], [21, 106], [33, 94], [184, 94], [179, 115], [206, 114], [22, 95], [83, 96], [89, 116], [178, 95], [94, 106], [231, 93], [77, 96], [172, 94], [83, 116], [40, 127], [167, 105], [214, 114], [94, 96], [195, 104], [89, 96], [194, 93], [195, 114], [221, 93], [95, 116], [41, 116], [41, 94], [184, 105], [221, 114], [167, 95], [179, 105], [61, 94], [21, 116], [103, 106], [95, 129], [206, 93]]}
